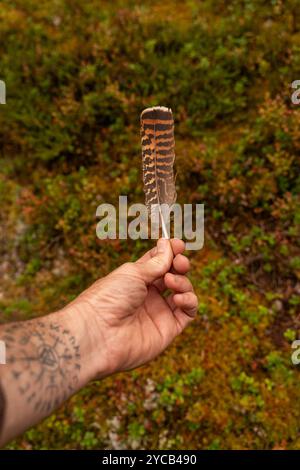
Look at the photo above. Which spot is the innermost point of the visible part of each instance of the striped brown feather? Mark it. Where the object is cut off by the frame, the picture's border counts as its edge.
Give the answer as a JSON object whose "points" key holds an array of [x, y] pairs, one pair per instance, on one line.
{"points": [[158, 154]]}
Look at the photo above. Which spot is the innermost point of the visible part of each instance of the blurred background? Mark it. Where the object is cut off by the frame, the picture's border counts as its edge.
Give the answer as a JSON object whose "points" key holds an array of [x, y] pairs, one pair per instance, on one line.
{"points": [[78, 73]]}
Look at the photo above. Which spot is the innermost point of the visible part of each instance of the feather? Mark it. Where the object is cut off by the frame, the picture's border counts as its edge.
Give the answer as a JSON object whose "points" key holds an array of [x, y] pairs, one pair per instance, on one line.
{"points": [[158, 155]]}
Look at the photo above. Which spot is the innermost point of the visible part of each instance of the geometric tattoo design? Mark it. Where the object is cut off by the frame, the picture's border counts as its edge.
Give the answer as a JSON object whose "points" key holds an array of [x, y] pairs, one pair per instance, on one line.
{"points": [[45, 362]]}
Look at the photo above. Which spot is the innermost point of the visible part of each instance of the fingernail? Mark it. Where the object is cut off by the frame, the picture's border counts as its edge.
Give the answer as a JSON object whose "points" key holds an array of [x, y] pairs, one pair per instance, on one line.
{"points": [[162, 245]]}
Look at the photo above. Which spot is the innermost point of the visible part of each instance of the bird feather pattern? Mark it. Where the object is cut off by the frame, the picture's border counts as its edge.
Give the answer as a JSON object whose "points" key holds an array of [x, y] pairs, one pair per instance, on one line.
{"points": [[158, 155]]}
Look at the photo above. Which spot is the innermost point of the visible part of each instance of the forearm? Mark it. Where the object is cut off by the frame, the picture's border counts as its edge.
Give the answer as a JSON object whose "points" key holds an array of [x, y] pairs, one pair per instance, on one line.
{"points": [[120, 322], [47, 360]]}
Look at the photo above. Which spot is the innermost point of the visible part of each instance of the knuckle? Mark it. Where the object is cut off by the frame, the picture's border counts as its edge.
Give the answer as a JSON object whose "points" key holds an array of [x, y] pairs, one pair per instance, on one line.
{"points": [[160, 262], [129, 268], [194, 299]]}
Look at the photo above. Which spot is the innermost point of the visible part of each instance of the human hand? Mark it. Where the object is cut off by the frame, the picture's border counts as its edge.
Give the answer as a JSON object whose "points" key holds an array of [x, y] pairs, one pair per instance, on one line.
{"points": [[120, 322], [129, 320]]}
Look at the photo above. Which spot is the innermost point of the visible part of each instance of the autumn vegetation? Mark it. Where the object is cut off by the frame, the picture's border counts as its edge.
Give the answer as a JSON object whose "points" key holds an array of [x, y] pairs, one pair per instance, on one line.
{"points": [[78, 73]]}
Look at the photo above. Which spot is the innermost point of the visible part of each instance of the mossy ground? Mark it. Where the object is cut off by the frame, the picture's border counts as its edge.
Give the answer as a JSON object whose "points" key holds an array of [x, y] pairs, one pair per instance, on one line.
{"points": [[78, 73]]}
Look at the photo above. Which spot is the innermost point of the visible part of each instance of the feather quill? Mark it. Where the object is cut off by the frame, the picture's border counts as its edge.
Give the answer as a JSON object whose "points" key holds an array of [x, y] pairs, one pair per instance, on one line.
{"points": [[158, 155]]}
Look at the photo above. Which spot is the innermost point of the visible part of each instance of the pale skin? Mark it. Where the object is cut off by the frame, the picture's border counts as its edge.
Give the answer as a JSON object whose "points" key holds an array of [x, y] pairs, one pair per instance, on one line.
{"points": [[121, 322]]}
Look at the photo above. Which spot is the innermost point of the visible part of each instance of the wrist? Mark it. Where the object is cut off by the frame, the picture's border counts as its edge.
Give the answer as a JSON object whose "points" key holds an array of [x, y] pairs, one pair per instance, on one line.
{"points": [[81, 320]]}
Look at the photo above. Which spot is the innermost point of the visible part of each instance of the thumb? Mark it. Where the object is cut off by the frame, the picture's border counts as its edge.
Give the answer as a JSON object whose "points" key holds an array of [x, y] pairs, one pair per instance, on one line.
{"points": [[159, 264]]}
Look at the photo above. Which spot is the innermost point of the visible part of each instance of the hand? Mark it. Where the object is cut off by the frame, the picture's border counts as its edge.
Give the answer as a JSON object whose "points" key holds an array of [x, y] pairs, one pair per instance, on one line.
{"points": [[120, 322], [130, 322]]}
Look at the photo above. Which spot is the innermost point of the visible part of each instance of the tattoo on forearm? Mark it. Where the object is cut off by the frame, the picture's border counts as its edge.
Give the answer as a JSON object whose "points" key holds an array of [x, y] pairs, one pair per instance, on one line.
{"points": [[45, 362]]}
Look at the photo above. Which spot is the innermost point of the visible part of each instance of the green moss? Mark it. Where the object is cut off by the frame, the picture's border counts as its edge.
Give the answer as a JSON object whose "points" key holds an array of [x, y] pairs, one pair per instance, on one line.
{"points": [[77, 78]]}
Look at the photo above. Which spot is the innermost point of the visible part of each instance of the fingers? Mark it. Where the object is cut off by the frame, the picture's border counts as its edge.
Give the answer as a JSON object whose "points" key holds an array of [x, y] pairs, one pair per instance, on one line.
{"points": [[178, 283], [178, 246], [184, 307], [183, 300], [181, 264], [154, 267], [165, 267], [154, 264], [186, 302]]}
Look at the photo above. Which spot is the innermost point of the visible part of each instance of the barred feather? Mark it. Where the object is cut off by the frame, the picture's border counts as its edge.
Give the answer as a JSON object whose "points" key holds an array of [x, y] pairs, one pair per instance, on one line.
{"points": [[158, 154]]}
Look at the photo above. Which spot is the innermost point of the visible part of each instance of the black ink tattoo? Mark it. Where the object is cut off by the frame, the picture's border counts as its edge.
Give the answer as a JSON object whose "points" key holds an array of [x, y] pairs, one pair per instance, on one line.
{"points": [[45, 362]]}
